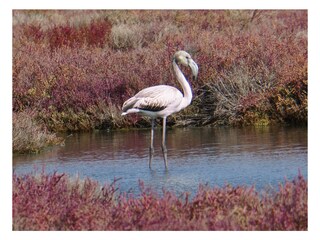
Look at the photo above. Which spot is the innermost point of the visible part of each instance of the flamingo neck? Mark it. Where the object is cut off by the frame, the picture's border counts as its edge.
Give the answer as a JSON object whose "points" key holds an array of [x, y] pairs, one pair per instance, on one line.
{"points": [[187, 93]]}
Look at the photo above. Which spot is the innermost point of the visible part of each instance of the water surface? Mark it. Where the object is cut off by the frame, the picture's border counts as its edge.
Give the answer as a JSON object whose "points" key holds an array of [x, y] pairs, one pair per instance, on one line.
{"points": [[248, 156]]}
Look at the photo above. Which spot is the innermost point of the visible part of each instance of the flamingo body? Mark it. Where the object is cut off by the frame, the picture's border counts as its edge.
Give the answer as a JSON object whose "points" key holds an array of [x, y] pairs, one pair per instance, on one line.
{"points": [[157, 101]]}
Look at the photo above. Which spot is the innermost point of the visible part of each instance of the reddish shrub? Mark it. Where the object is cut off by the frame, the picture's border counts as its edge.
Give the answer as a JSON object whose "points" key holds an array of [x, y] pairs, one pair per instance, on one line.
{"points": [[56, 202], [253, 64], [95, 34]]}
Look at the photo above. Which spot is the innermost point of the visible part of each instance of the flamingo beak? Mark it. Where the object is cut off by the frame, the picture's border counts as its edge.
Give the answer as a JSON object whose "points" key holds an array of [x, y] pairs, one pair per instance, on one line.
{"points": [[194, 68]]}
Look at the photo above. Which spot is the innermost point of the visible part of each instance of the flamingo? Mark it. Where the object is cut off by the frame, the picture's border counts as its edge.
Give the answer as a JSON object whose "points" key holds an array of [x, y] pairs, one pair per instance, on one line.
{"points": [[162, 100]]}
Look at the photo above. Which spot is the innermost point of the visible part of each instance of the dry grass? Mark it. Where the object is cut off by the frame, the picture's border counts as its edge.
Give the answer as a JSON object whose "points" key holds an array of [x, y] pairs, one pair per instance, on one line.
{"points": [[126, 37], [30, 136]]}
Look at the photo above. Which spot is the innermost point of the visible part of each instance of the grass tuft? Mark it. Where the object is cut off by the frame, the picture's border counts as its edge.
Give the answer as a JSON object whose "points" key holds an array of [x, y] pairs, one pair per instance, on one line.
{"points": [[29, 136]]}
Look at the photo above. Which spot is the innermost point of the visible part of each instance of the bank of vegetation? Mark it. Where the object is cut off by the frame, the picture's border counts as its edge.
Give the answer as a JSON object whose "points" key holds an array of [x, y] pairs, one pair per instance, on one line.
{"points": [[73, 69], [58, 202]]}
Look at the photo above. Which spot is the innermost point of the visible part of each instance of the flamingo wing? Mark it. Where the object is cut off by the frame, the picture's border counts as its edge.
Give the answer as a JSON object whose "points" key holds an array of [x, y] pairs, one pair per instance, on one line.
{"points": [[154, 99]]}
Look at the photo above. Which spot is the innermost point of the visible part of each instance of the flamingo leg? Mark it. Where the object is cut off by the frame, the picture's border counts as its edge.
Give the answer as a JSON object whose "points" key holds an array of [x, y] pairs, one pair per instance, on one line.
{"points": [[164, 147], [151, 149]]}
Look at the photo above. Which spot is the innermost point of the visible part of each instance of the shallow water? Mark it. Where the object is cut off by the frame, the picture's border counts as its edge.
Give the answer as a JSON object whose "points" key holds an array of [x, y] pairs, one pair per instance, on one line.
{"points": [[248, 156]]}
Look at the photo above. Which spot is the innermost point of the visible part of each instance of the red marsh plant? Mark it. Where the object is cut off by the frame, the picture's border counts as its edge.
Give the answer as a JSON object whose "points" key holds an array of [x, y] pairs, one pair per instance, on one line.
{"points": [[93, 35], [253, 65], [58, 202]]}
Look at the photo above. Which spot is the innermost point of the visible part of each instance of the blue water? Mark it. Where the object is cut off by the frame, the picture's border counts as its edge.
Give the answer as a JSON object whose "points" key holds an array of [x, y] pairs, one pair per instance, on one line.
{"points": [[263, 157]]}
